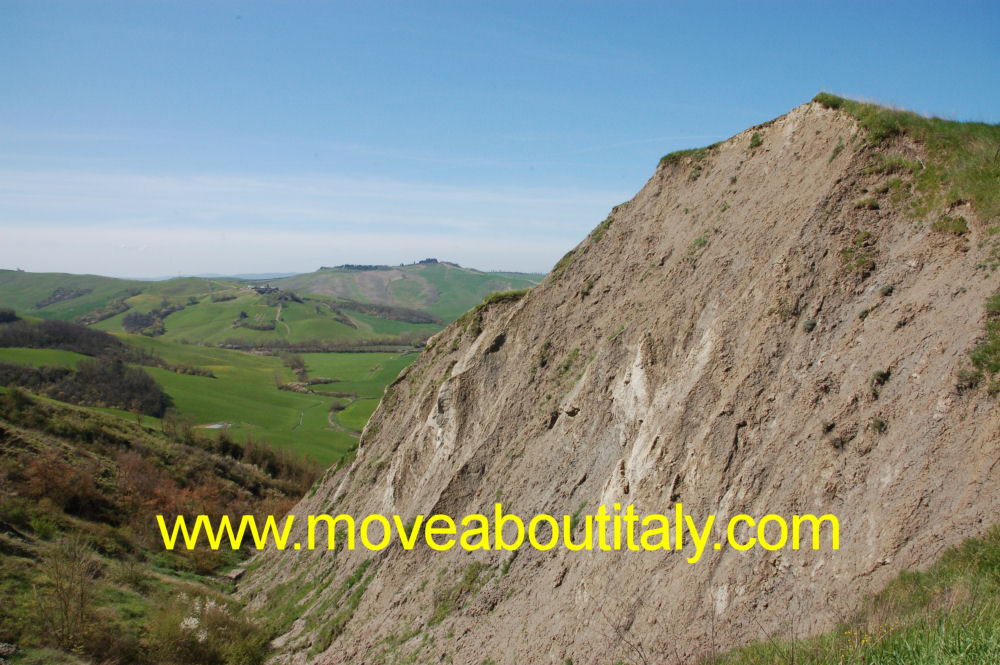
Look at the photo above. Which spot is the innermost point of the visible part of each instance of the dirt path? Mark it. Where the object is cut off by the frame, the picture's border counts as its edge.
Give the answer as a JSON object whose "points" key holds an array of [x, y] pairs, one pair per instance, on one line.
{"points": [[335, 425], [277, 320]]}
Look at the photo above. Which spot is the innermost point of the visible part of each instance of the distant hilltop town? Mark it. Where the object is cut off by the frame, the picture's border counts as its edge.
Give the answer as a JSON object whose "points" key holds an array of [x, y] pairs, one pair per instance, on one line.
{"points": [[358, 266]]}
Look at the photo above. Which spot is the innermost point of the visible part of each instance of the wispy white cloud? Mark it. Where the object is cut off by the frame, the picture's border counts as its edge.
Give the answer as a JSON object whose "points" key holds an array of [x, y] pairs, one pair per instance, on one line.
{"points": [[142, 225], [148, 252]]}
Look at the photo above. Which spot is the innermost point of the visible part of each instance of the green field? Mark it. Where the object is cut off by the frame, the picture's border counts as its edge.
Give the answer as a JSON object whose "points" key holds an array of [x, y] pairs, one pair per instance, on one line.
{"points": [[41, 357], [366, 374], [245, 399]]}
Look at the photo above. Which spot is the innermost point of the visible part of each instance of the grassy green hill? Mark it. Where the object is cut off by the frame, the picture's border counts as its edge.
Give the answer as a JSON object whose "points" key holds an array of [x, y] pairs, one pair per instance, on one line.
{"points": [[242, 318], [332, 307], [329, 309], [443, 289], [60, 295]]}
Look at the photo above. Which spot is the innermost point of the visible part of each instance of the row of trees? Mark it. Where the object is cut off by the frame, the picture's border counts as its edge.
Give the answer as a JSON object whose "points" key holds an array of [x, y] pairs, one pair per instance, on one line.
{"points": [[106, 382]]}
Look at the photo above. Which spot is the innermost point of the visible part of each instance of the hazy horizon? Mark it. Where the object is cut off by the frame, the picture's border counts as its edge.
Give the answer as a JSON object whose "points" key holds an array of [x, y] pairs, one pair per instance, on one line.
{"points": [[276, 274]]}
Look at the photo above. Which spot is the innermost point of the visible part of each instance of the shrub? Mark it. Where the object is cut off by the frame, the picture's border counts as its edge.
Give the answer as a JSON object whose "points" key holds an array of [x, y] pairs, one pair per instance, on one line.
{"points": [[756, 140], [66, 604], [879, 379]]}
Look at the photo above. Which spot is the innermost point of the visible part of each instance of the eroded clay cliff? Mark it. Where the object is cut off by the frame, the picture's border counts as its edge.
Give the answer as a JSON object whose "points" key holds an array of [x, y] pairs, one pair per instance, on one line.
{"points": [[762, 329]]}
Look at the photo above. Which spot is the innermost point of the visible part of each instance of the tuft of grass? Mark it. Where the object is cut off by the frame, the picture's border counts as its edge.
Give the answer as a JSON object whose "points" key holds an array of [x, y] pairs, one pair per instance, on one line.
{"points": [[567, 364], [858, 256], [454, 597], [784, 310], [985, 355], [598, 232], [809, 325], [504, 296], [958, 226], [563, 263], [879, 379], [836, 150], [893, 164], [696, 246], [867, 204], [543, 354], [574, 519], [949, 613], [694, 154], [756, 140]]}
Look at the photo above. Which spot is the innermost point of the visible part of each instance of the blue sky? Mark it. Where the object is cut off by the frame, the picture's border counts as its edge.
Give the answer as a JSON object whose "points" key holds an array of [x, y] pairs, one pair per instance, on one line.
{"points": [[161, 138]]}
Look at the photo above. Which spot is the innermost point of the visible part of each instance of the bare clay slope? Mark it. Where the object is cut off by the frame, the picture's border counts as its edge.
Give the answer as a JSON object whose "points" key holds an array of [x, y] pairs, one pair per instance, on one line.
{"points": [[667, 359]]}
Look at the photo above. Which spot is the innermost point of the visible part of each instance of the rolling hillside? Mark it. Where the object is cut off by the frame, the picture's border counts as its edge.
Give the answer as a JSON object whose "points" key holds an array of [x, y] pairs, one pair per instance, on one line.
{"points": [[61, 295], [443, 289], [326, 310]]}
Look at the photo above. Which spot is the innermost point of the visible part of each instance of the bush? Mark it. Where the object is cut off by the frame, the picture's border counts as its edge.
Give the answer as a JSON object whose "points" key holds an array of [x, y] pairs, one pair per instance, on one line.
{"points": [[879, 379], [201, 630], [66, 604]]}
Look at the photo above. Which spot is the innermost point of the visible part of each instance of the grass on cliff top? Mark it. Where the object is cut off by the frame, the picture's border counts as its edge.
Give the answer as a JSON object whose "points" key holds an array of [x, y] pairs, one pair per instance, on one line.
{"points": [[949, 613], [474, 317], [963, 157], [963, 166], [696, 154]]}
